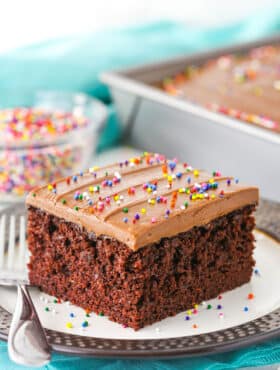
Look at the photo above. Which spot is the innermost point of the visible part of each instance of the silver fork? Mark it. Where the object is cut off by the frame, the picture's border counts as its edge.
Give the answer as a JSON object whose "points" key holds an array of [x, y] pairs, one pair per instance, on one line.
{"points": [[27, 341]]}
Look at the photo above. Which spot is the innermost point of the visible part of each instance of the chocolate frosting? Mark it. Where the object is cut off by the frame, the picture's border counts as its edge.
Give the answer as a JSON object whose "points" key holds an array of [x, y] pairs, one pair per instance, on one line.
{"points": [[142, 200], [247, 83]]}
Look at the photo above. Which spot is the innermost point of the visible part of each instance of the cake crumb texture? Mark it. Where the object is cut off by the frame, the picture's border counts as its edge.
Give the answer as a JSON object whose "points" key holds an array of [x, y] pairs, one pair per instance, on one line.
{"points": [[138, 288]]}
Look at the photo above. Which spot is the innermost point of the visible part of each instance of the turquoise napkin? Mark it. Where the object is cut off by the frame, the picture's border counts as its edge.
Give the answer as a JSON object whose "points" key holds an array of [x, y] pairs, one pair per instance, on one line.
{"points": [[259, 355], [74, 63]]}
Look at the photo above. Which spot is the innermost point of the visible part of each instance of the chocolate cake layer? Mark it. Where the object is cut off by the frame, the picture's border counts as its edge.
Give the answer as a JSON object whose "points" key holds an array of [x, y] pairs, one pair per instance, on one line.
{"points": [[142, 200], [138, 288]]}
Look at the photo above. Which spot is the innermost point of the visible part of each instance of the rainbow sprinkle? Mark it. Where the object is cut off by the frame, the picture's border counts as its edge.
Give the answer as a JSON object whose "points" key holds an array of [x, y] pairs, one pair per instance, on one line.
{"points": [[178, 187], [31, 156]]}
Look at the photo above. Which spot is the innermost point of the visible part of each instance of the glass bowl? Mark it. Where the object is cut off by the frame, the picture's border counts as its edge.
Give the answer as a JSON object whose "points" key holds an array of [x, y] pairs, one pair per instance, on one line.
{"points": [[58, 145]]}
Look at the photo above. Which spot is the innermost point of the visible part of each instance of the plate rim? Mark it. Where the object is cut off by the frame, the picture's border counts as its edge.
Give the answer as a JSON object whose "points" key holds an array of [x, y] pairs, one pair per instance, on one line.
{"points": [[126, 349]]}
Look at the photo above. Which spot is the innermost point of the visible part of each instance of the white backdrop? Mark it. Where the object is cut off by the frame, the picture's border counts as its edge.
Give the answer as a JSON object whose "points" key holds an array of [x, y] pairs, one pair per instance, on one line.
{"points": [[24, 22]]}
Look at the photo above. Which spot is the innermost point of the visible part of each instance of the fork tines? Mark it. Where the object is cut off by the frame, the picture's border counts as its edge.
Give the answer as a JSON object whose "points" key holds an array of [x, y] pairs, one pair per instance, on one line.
{"points": [[13, 250]]}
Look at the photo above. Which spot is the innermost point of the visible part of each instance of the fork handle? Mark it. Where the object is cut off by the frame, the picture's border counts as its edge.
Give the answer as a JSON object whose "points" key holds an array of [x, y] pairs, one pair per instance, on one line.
{"points": [[27, 341]]}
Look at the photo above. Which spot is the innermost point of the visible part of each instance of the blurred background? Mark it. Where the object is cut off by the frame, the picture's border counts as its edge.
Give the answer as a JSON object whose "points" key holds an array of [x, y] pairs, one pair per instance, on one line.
{"points": [[24, 23], [65, 47]]}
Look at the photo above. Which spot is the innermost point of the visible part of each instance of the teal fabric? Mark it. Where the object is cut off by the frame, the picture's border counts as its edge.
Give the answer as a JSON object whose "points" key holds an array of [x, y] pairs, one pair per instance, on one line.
{"points": [[259, 355], [74, 63]]}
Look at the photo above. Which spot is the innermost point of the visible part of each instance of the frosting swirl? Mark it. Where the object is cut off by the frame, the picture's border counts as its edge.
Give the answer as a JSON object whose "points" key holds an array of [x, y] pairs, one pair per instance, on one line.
{"points": [[142, 200]]}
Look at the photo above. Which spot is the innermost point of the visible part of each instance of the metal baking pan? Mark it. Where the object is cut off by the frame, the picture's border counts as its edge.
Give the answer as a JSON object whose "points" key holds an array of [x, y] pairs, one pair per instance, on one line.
{"points": [[155, 121]]}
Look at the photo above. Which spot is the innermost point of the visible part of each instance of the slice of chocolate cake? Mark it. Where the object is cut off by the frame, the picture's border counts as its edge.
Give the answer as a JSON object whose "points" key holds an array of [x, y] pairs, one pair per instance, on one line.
{"points": [[141, 240]]}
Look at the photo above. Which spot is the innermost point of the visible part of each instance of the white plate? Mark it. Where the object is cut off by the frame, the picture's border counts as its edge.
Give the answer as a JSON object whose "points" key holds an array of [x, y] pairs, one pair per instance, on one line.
{"points": [[264, 286]]}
